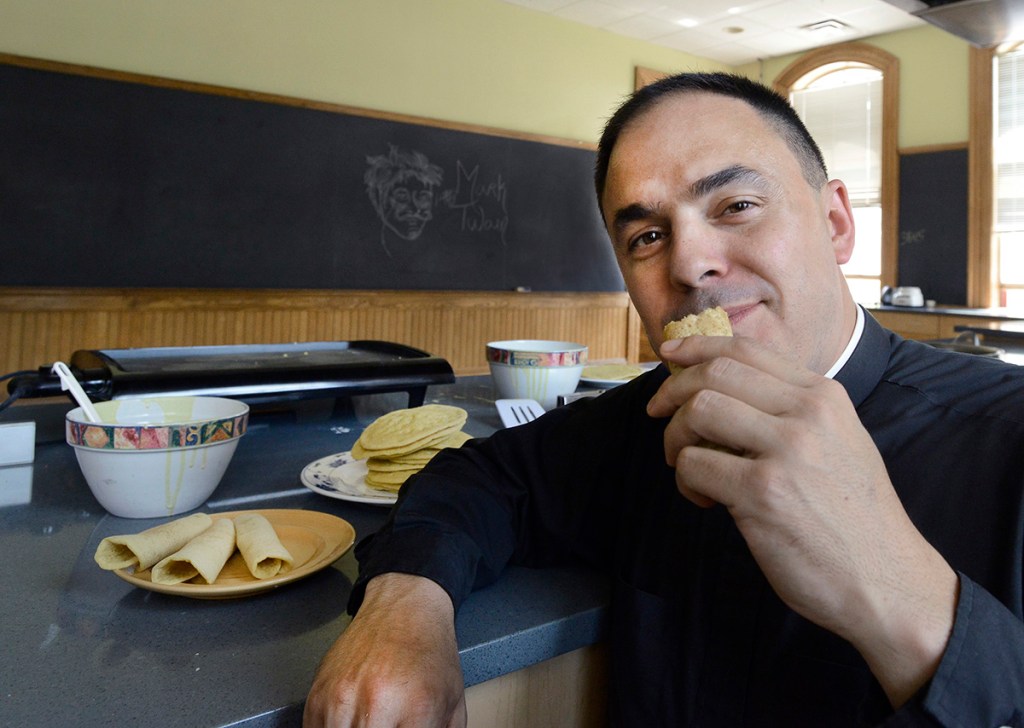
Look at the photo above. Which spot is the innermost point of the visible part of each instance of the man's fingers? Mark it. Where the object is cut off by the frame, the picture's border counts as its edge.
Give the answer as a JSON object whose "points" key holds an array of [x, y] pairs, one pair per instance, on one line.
{"points": [[707, 475], [740, 368]]}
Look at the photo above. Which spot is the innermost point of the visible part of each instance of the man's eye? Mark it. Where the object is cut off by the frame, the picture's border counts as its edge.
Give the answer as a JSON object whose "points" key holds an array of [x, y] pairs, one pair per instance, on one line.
{"points": [[644, 239], [738, 207]]}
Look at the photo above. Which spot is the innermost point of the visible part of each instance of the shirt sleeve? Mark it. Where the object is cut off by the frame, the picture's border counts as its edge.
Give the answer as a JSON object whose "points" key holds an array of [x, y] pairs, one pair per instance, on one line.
{"points": [[536, 495], [980, 680]]}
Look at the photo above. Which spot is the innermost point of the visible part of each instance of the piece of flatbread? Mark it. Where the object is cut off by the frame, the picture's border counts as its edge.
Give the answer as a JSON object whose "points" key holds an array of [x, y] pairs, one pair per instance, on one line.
{"points": [[204, 556], [612, 372], [264, 554], [419, 458], [146, 548], [709, 322]]}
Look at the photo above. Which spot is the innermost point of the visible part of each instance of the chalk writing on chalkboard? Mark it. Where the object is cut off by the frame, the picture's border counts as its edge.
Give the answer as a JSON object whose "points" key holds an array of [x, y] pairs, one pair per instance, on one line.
{"points": [[483, 204], [909, 237], [401, 186]]}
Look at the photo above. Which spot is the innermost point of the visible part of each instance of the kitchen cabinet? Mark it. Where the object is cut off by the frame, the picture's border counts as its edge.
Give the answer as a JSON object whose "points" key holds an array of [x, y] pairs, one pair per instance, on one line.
{"points": [[937, 323]]}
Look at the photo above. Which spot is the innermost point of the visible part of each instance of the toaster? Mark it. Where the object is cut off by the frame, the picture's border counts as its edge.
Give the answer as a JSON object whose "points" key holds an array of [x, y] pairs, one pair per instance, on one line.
{"points": [[907, 296]]}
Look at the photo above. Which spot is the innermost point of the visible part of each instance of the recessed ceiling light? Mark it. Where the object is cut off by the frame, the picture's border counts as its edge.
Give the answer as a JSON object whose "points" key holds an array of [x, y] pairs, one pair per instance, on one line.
{"points": [[687, 22], [733, 29]]}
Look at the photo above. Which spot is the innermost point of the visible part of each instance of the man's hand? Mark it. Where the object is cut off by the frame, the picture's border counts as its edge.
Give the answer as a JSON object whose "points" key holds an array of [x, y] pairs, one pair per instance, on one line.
{"points": [[810, 493], [397, 663]]}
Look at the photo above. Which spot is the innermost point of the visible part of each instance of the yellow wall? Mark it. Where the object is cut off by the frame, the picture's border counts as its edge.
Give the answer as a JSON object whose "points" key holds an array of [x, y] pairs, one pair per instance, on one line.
{"points": [[475, 61], [933, 83]]}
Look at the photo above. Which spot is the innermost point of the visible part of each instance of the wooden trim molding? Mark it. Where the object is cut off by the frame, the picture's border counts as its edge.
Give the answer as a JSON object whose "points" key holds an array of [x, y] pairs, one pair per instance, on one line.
{"points": [[981, 261], [645, 76], [194, 87], [889, 65], [931, 148], [41, 325]]}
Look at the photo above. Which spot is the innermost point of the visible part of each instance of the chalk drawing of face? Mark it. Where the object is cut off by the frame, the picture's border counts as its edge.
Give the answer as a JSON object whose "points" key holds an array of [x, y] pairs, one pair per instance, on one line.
{"points": [[407, 207], [401, 186]]}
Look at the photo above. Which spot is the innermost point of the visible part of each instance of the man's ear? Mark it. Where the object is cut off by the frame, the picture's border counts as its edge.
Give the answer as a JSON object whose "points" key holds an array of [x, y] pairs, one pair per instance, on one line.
{"points": [[840, 220]]}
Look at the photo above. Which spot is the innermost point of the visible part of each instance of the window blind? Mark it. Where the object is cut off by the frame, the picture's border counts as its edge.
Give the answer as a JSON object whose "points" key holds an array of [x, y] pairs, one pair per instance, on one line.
{"points": [[1008, 146], [846, 121]]}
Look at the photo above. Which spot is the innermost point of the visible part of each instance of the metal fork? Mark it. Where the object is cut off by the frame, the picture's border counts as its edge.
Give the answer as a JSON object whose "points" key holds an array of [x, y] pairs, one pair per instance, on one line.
{"points": [[514, 412]]}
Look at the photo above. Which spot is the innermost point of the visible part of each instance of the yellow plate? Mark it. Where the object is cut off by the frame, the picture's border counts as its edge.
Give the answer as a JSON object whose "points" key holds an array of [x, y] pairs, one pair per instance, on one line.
{"points": [[314, 539]]}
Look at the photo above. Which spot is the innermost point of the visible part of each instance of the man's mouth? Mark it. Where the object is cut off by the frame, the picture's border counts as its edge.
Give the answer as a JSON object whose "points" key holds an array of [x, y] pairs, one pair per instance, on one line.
{"points": [[739, 312]]}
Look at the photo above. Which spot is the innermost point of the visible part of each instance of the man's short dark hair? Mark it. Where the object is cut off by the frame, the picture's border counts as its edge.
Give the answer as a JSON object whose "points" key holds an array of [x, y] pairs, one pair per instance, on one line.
{"points": [[772, 106]]}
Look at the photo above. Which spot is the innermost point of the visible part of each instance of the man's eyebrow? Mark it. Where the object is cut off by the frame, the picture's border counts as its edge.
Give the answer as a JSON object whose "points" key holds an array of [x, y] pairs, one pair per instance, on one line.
{"points": [[700, 188], [736, 173], [631, 213]]}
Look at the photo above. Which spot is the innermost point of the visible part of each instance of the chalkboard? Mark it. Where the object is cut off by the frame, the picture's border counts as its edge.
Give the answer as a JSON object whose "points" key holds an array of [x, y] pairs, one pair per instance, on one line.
{"points": [[933, 224], [113, 182]]}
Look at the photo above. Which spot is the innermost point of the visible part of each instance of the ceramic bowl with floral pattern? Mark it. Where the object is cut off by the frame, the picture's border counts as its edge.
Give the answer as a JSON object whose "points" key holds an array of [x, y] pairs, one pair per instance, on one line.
{"points": [[156, 456]]}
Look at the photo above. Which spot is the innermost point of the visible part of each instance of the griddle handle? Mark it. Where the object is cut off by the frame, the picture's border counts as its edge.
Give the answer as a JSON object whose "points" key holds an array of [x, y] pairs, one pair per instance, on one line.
{"points": [[44, 383]]}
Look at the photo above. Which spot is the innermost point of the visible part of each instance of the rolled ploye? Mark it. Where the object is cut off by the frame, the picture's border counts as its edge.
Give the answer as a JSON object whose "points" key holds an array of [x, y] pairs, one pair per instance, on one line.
{"points": [[148, 547], [264, 554], [204, 556]]}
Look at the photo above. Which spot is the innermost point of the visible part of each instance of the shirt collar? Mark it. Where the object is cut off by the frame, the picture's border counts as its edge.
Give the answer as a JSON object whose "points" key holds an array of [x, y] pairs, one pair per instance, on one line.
{"points": [[858, 331]]}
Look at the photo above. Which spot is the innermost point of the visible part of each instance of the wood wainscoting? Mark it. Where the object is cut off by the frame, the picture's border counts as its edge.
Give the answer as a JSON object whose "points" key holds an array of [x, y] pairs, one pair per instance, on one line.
{"points": [[41, 325]]}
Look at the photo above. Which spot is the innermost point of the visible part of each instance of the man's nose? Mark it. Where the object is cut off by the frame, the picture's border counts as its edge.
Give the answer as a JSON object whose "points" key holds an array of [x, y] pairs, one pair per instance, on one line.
{"points": [[698, 256]]}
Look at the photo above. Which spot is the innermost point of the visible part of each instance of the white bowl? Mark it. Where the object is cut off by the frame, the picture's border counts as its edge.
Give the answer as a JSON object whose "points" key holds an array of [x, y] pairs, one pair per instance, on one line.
{"points": [[156, 456], [536, 369]]}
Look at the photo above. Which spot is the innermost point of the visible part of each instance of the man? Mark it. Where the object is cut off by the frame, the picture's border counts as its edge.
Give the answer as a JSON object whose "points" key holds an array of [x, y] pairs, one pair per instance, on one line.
{"points": [[851, 556]]}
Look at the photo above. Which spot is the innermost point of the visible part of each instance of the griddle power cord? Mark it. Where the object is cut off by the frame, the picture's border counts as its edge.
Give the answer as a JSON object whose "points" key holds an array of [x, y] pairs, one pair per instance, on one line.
{"points": [[18, 391]]}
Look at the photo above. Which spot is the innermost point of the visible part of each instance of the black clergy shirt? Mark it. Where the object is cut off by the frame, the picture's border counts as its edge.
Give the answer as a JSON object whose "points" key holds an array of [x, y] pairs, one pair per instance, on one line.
{"points": [[697, 636]]}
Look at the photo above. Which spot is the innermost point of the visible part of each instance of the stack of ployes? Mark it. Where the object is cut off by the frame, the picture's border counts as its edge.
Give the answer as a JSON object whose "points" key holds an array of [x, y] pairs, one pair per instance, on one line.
{"points": [[399, 444]]}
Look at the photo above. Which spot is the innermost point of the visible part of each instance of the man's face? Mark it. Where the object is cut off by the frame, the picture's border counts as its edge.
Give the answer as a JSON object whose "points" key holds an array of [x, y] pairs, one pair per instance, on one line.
{"points": [[408, 207], [706, 205]]}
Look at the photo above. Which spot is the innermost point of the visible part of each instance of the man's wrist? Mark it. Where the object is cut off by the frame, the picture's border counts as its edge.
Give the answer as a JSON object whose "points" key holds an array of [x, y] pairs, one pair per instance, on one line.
{"points": [[385, 589], [910, 631]]}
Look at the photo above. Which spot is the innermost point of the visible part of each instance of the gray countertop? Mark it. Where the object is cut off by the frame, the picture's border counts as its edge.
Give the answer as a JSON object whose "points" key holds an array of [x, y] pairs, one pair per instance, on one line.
{"points": [[987, 313], [997, 330], [84, 648]]}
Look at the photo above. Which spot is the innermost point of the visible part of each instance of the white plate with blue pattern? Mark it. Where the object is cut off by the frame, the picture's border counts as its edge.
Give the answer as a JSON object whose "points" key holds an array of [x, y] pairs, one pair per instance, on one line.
{"points": [[343, 477]]}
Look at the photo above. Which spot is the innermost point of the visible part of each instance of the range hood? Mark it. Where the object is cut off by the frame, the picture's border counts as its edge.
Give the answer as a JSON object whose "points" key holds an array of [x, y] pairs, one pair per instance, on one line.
{"points": [[984, 23]]}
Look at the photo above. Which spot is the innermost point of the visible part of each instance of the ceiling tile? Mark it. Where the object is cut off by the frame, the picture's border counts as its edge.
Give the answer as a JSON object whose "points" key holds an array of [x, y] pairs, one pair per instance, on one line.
{"points": [[675, 13], [641, 26], [732, 53], [785, 15], [725, 28], [639, 6], [544, 5], [770, 27], [593, 12]]}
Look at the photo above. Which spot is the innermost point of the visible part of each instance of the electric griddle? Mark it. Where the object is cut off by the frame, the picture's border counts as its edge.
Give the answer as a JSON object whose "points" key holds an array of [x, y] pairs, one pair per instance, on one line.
{"points": [[255, 374]]}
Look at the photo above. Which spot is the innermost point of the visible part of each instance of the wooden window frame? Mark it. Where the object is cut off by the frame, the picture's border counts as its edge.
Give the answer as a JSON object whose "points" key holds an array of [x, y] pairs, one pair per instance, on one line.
{"points": [[982, 275]]}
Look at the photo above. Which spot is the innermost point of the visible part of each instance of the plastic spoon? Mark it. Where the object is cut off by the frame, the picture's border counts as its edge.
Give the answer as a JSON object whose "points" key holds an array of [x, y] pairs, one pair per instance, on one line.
{"points": [[68, 382]]}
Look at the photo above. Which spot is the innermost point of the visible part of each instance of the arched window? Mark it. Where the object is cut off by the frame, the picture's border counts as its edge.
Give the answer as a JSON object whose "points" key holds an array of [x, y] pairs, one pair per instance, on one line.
{"points": [[846, 95]]}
